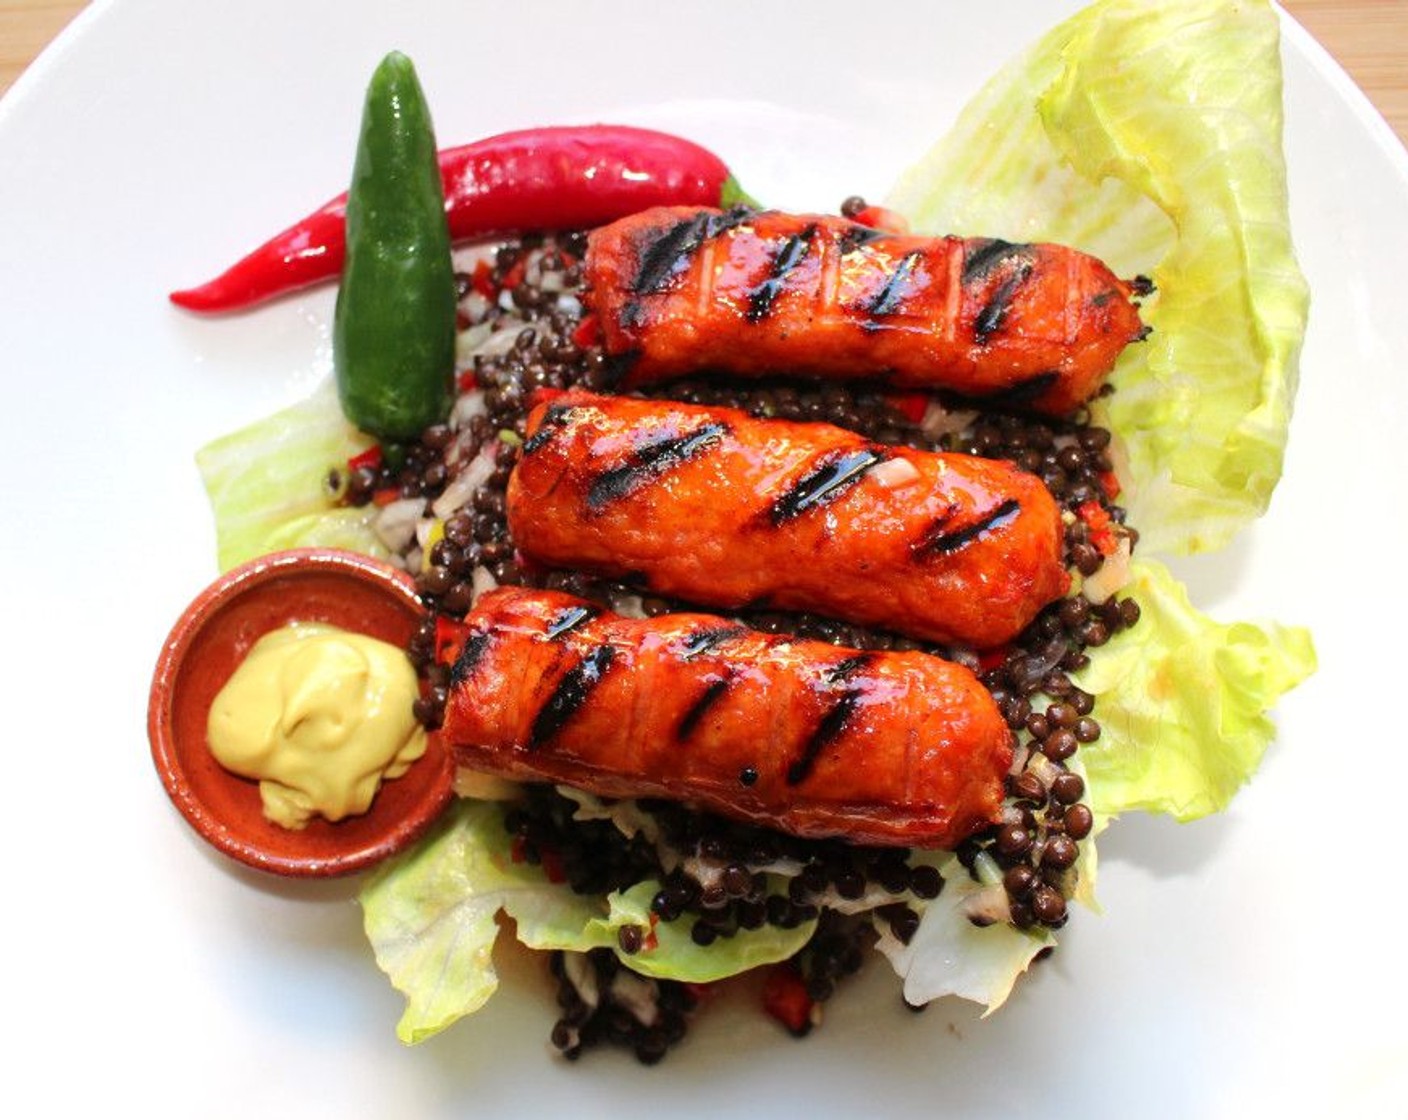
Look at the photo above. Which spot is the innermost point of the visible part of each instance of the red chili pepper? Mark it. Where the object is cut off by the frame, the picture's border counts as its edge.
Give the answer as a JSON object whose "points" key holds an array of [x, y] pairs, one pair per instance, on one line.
{"points": [[785, 998], [558, 178]]}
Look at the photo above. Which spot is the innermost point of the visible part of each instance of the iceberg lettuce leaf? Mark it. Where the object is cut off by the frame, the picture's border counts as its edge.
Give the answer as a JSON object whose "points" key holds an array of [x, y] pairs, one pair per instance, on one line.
{"points": [[950, 956], [431, 918], [1150, 135], [265, 483], [431, 915], [1184, 702]]}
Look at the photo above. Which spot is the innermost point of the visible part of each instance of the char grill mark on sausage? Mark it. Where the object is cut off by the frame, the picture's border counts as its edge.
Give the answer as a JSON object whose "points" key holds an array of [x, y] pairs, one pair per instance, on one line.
{"points": [[890, 298], [696, 711], [476, 645], [856, 236], [989, 319], [570, 694], [570, 618], [942, 539], [841, 675], [793, 251], [669, 253], [985, 254], [832, 475], [649, 461], [704, 640], [553, 418]]}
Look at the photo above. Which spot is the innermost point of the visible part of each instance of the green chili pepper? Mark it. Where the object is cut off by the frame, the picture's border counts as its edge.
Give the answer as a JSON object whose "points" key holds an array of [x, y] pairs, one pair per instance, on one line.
{"points": [[394, 326]]}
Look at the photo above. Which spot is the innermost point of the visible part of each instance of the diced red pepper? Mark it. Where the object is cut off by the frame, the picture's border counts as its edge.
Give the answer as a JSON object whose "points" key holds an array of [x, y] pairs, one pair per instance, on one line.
{"points": [[514, 276], [482, 279], [586, 333], [883, 218], [449, 638], [370, 459], [912, 406], [386, 495], [785, 998], [1100, 528], [466, 380], [697, 991], [552, 866], [990, 659], [548, 859], [1110, 484]]}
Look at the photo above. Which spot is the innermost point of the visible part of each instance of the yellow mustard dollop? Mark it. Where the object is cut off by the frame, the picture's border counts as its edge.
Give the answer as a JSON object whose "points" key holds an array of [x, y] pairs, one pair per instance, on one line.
{"points": [[319, 717]]}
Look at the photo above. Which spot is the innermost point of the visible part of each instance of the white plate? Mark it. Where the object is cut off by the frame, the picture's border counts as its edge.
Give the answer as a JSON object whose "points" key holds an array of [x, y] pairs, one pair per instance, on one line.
{"points": [[1242, 962]]}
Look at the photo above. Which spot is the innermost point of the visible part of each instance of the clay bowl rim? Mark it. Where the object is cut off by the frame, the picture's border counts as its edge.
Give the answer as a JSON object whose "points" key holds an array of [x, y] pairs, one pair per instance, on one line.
{"points": [[357, 592]]}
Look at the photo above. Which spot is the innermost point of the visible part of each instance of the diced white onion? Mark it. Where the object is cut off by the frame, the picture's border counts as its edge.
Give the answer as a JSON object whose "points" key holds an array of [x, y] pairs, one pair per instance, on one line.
{"points": [[894, 474], [989, 906], [395, 523], [470, 342], [481, 582], [636, 994], [485, 787], [467, 407], [501, 341], [940, 421], [1113, 574], [462, 487], [582, 975], [629, 606]]}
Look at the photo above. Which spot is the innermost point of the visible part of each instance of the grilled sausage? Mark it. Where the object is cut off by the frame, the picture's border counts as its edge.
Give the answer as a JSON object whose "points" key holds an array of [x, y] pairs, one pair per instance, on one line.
{"points": [[717, 507], [680, 289], [898, 748]]}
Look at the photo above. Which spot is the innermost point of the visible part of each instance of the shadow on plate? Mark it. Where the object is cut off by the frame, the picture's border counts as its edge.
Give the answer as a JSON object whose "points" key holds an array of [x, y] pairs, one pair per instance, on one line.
{"points": [[1164, 847]]}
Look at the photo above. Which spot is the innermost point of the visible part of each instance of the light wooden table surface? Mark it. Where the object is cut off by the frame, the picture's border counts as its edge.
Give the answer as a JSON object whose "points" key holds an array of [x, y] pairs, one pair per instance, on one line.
{"points": [[1369, 38]]}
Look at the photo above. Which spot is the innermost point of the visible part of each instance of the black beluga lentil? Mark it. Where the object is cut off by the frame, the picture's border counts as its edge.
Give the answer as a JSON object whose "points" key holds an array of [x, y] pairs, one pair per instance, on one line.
{"points": [[720, 877]]}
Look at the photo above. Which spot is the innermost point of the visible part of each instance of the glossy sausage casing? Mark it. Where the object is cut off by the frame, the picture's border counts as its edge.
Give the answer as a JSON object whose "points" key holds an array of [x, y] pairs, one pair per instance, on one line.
{"points": [[898, 748], [678, 289], [717, 507]]}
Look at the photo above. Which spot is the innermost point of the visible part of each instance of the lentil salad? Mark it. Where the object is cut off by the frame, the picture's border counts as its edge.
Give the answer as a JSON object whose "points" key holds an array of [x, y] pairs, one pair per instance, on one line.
{"points": [[528, 299]]}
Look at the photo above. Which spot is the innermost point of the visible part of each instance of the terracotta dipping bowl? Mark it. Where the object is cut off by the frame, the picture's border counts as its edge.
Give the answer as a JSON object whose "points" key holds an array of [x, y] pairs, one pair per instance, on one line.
{"points": [[211, 638]]}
